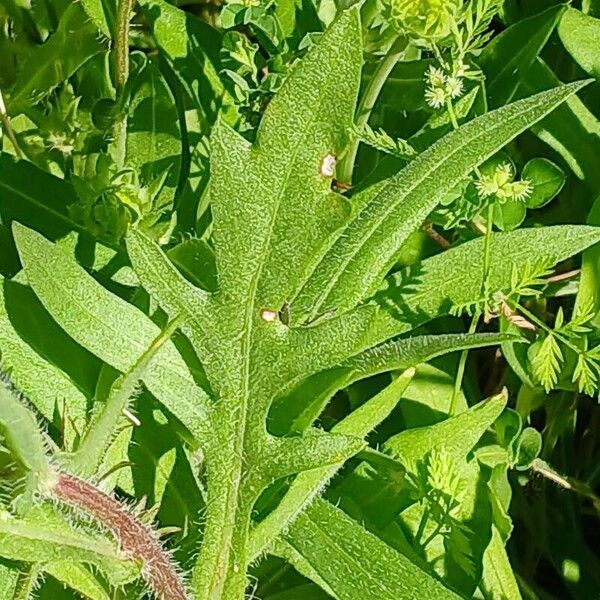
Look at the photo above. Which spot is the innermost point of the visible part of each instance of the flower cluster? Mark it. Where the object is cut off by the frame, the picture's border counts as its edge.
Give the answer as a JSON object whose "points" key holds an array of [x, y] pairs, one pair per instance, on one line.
{"points": [[501, 184], [443, 86]]}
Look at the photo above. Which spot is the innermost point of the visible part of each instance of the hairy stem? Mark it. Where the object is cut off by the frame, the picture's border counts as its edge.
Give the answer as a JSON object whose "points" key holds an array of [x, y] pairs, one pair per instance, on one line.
{"points": [[368, 101], [569, 483], [27, 582], [136, 539], [121, 73]]}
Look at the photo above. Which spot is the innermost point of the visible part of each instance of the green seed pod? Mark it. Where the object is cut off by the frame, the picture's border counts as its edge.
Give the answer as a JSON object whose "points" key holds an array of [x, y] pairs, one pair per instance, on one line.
{"points": [[430, 20]]}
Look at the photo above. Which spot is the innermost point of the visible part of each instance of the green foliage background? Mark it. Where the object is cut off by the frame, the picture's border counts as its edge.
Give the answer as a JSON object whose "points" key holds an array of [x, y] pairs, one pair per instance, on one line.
{"points": [[303, 296]]}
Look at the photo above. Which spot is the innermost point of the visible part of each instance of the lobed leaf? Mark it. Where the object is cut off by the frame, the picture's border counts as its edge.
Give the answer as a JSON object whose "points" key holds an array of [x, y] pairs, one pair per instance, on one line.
{"points": [[273, 208], [456, 435], [295, 411], [309, 484]]}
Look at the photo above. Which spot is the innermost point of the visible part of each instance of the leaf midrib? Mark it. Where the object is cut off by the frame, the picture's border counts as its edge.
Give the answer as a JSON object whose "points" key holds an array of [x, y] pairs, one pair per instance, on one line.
{"points": [[251, 307]]}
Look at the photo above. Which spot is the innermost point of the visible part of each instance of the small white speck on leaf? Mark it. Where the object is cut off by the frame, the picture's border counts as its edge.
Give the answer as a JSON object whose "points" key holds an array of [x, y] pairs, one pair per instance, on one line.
{"points": [[328, 165], [268, 315]]}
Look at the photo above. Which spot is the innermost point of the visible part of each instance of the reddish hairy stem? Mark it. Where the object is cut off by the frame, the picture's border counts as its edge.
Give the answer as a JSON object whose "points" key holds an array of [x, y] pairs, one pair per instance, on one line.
{"points": [[137, 541]]}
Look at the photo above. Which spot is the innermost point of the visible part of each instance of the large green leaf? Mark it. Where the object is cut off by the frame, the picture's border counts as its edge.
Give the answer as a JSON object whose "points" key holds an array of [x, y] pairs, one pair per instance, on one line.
{"points": [[108, 326], [580, 34], [36, 375], [419, 293], [507, 58], [56, 60], [274, 211], [354, 563], [361, 257]]}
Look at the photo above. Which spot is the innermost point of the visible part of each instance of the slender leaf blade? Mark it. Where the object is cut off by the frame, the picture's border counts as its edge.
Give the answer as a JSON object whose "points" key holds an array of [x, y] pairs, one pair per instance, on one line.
{"points": [[355, 563], [108, 326], [361, 257]]}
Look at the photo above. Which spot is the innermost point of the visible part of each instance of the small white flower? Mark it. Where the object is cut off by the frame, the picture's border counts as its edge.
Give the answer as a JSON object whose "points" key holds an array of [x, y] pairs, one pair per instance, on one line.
{"points": [[521, 190], [501, 185], [504, 173], [435, 77], [435, 97], [328, 165], [454, 87], [486, 186]]}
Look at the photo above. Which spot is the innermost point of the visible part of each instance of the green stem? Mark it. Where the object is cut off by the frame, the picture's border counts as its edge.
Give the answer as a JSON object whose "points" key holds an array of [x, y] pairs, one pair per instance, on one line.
{"points": [[460, 372], [121, 73], [431, 537], [8, 127], [422, 525], [27, 582], [488, 246], [375, 457], [487, 258], [473, 326], [220, 572], [452, 113], [368, 101], [537, 321]]}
